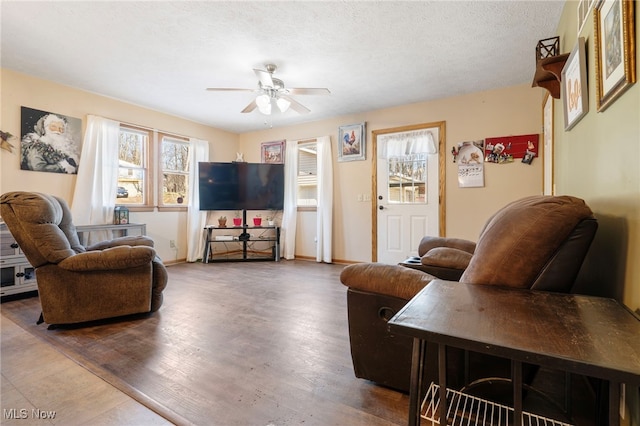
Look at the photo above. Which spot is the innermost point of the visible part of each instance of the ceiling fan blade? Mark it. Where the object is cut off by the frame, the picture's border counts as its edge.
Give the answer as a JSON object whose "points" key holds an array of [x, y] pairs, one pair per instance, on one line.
{"points": [[225, 89], [296, 106], [253, 105], [308, 91], [264, 77]]}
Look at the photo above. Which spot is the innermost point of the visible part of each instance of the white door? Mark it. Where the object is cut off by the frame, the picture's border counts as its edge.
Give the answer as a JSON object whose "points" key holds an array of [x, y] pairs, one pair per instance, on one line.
{"points": [[407, 202]]}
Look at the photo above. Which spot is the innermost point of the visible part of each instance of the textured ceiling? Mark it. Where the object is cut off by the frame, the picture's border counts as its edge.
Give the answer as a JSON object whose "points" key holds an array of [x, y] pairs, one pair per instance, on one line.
{"points": [[371, 55]]}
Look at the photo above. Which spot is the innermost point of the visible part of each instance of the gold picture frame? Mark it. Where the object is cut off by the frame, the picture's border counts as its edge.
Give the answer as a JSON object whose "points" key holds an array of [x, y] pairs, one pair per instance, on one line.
{"points": [[614, 31]]}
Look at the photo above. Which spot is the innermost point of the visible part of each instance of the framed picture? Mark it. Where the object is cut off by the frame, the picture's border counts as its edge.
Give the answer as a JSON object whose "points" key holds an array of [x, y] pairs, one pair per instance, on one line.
{"points": [[273, 152], [351, 142], [547, 136], [614, 50], [50, 142], [574, 86], [584, 7]]}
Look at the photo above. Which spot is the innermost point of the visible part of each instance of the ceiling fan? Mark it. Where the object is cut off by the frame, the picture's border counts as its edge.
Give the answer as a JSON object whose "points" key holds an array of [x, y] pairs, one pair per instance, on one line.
{"points": [[272, 92]]}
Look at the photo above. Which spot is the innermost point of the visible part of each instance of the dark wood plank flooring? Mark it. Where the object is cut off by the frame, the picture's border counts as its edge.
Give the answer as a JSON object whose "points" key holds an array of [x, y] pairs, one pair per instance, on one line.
{"points": [[257, 343], [260, 343]]}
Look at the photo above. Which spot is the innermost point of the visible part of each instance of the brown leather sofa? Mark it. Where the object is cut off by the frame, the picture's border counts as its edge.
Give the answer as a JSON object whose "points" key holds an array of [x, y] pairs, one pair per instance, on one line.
{"points": [[536, 243], [75, 283]]}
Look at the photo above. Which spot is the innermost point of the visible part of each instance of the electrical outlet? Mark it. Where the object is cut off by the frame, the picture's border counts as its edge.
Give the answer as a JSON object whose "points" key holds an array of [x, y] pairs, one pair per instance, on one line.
{"points": [[172, 244]]}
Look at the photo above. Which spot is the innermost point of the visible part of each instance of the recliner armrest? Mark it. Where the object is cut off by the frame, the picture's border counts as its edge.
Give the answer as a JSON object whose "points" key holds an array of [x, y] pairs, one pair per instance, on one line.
{"points": [[390, 280], [139, 240], [120, 257], [447, 257], [428, 243]]}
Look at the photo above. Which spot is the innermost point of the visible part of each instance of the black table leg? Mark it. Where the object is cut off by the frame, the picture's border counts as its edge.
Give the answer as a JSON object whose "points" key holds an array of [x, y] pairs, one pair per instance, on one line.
{"points": [[415, 387], [614, 401], [442, 380], [516, 377]]}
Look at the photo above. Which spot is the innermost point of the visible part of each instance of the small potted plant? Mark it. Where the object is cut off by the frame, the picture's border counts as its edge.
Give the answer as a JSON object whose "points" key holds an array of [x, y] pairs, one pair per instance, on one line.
{"points": [[222, 222], [270, 219], [237, 219], [257, 220]]}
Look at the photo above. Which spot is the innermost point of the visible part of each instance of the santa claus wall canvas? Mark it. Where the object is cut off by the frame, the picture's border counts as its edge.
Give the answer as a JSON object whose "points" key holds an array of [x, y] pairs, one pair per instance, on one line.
{"points": [[50, 142]]}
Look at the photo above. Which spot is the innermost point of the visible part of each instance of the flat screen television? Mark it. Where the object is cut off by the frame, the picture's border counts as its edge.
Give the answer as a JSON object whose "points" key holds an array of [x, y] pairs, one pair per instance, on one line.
{"points": [[241, 186]]}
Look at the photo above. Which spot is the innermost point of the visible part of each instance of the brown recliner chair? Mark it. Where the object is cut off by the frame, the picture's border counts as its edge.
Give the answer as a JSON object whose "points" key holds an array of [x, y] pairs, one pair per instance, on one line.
{"points": [[75, 283], [536, 243]]}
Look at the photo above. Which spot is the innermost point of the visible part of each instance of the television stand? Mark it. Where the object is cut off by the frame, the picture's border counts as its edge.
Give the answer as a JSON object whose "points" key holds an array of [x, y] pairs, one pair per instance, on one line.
{"points": [[245, 237]]}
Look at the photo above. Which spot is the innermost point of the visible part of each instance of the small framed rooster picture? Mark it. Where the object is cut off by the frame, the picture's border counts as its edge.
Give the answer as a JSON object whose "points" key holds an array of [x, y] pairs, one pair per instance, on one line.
{"points": [[351, 142]]}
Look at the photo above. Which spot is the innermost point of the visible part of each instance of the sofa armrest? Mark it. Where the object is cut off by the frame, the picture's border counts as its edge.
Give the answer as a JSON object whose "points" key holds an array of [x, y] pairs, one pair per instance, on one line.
{"points": [[120, 257], [391, 280], [447, 257], [428, 243], [133, 240]]}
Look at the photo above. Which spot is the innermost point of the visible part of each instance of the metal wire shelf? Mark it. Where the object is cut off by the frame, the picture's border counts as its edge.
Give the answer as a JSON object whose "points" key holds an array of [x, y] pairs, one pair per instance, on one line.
{"points": [[467, 410]]}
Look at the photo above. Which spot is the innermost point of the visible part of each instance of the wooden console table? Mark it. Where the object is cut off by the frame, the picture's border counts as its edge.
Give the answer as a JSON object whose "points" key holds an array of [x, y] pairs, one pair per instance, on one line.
{"points": [[585, 335]]}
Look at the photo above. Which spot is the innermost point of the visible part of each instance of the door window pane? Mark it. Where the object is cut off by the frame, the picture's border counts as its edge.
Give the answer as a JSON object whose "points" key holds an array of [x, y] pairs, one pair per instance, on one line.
{"points": [[407, 178]]}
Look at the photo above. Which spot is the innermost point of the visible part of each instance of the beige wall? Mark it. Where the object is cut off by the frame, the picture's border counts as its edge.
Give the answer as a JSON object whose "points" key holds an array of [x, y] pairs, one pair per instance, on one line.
{"points": [[510, 111], [503, 112], [599, 160], [21, 90]]}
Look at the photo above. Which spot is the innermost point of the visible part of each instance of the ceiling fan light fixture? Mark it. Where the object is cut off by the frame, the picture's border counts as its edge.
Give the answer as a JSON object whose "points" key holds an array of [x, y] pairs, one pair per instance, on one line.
{"points": [[264, 104], [263, 100], [283, 104]]}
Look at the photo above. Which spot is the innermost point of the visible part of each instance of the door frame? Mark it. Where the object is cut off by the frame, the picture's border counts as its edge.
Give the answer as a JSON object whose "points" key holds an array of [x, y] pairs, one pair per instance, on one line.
{"points": [[374, 182]]}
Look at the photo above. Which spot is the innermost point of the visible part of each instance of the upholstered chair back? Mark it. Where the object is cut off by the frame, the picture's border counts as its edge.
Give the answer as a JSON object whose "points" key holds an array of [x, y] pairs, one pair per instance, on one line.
{"points": [[521, 242], [42, 226]]}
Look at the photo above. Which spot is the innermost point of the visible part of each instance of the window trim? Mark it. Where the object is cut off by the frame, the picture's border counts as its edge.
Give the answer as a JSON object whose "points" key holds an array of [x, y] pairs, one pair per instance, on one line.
{"points": [[159, 179], [148, 168], [302, 143]]}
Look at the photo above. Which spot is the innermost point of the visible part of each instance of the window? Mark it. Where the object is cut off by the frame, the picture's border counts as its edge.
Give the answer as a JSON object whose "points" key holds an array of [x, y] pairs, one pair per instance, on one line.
{"points": [[407, 179], [307, 174], [133, 167], [174, 169], [136, 170]]}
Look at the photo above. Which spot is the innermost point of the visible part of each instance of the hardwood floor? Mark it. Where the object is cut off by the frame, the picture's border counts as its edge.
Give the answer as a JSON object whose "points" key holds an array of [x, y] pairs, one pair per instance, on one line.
{"points": [[41, 386], [261, 343]]}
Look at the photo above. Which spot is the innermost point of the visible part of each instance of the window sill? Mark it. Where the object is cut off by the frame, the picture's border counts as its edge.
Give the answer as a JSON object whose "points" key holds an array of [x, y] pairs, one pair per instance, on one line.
{"points": [[136, 208], [172, 209], [307, 208]]}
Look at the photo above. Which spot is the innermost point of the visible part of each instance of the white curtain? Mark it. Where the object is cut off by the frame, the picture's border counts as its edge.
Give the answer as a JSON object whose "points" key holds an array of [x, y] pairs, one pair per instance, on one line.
{"points": [[290, 212], [406, 143], [94, 197], [196, 219], [325, 200]]}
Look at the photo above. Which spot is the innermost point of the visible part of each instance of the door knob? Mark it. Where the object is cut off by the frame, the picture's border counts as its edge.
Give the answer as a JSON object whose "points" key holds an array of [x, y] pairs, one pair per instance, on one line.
{"points": [[381, 207], [379, 197]]}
